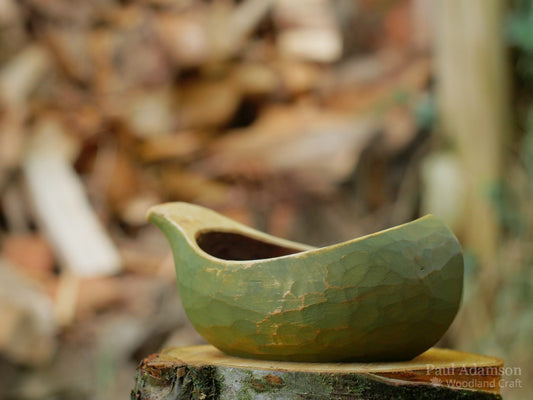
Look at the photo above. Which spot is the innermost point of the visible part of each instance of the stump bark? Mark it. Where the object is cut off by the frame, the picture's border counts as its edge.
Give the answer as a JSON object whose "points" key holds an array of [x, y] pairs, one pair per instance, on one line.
{"points": [[203, 372]]}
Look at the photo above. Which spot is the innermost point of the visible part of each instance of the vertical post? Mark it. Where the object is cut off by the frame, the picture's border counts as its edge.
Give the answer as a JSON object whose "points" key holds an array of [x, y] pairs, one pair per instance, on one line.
{"points": [[473, 99]]}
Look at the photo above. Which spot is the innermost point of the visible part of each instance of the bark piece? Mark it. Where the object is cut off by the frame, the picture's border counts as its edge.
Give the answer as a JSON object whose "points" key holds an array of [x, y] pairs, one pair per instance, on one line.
{"points": [[203, 372]]}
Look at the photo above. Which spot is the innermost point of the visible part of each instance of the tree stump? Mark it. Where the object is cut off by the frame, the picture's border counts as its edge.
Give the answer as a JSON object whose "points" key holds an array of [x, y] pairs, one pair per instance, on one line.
{"points": [[203, 372]]}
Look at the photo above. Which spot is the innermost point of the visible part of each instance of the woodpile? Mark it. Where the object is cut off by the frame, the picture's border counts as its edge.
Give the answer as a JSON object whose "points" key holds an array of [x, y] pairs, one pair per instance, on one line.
{"points": [[278, 114]]}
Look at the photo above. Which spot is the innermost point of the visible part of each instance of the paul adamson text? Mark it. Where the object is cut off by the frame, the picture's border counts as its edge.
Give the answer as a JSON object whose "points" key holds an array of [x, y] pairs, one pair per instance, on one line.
{"points": [[480, 377]]}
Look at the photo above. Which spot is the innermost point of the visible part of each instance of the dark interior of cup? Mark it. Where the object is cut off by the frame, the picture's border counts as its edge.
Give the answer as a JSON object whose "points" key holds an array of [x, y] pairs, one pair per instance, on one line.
{"points": [[237, 247]]}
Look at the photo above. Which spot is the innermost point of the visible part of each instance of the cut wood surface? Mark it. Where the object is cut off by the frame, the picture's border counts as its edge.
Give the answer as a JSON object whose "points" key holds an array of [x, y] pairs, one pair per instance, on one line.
{"points": [[204, 372]]}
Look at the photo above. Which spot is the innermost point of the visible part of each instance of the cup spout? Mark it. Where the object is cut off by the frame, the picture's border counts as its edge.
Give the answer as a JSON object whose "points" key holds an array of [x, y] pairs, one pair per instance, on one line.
{"points": [[172, 225], [190, 228]]}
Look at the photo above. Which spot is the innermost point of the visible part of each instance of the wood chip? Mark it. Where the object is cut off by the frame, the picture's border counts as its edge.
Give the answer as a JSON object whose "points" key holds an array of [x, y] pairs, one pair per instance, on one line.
{"points": [[150, 113], [311, 44], [185, 38], [309, 30], [64, 213], [19, 77]]}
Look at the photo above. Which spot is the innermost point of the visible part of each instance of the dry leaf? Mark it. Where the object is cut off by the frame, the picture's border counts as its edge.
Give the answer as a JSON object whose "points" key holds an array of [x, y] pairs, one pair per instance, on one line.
{"points": [[71, 50], [31, 253], [207, 104], [306, 141], [298, 77], [255, 79], [185, 38], [184, 185], [183, 145]]}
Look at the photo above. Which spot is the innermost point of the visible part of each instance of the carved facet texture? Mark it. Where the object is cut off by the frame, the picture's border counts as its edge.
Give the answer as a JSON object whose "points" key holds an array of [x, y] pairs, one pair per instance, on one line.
{"points": [[383, 297]]}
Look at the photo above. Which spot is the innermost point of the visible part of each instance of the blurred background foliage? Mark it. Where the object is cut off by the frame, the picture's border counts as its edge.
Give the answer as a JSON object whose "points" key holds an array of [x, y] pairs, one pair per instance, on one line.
{"points": [[314, 120]]}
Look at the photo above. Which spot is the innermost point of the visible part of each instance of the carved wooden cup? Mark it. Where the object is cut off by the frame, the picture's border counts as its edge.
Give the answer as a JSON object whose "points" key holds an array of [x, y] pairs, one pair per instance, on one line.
{"points": [[383, 297]]}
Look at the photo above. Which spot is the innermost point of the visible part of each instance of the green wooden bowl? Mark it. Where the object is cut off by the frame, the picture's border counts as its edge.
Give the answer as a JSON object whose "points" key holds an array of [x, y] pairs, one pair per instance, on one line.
{"points": [[387, 296]]}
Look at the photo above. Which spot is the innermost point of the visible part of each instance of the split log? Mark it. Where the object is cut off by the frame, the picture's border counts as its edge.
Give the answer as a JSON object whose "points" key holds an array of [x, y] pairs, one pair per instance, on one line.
{"points": [[203, 372]]}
